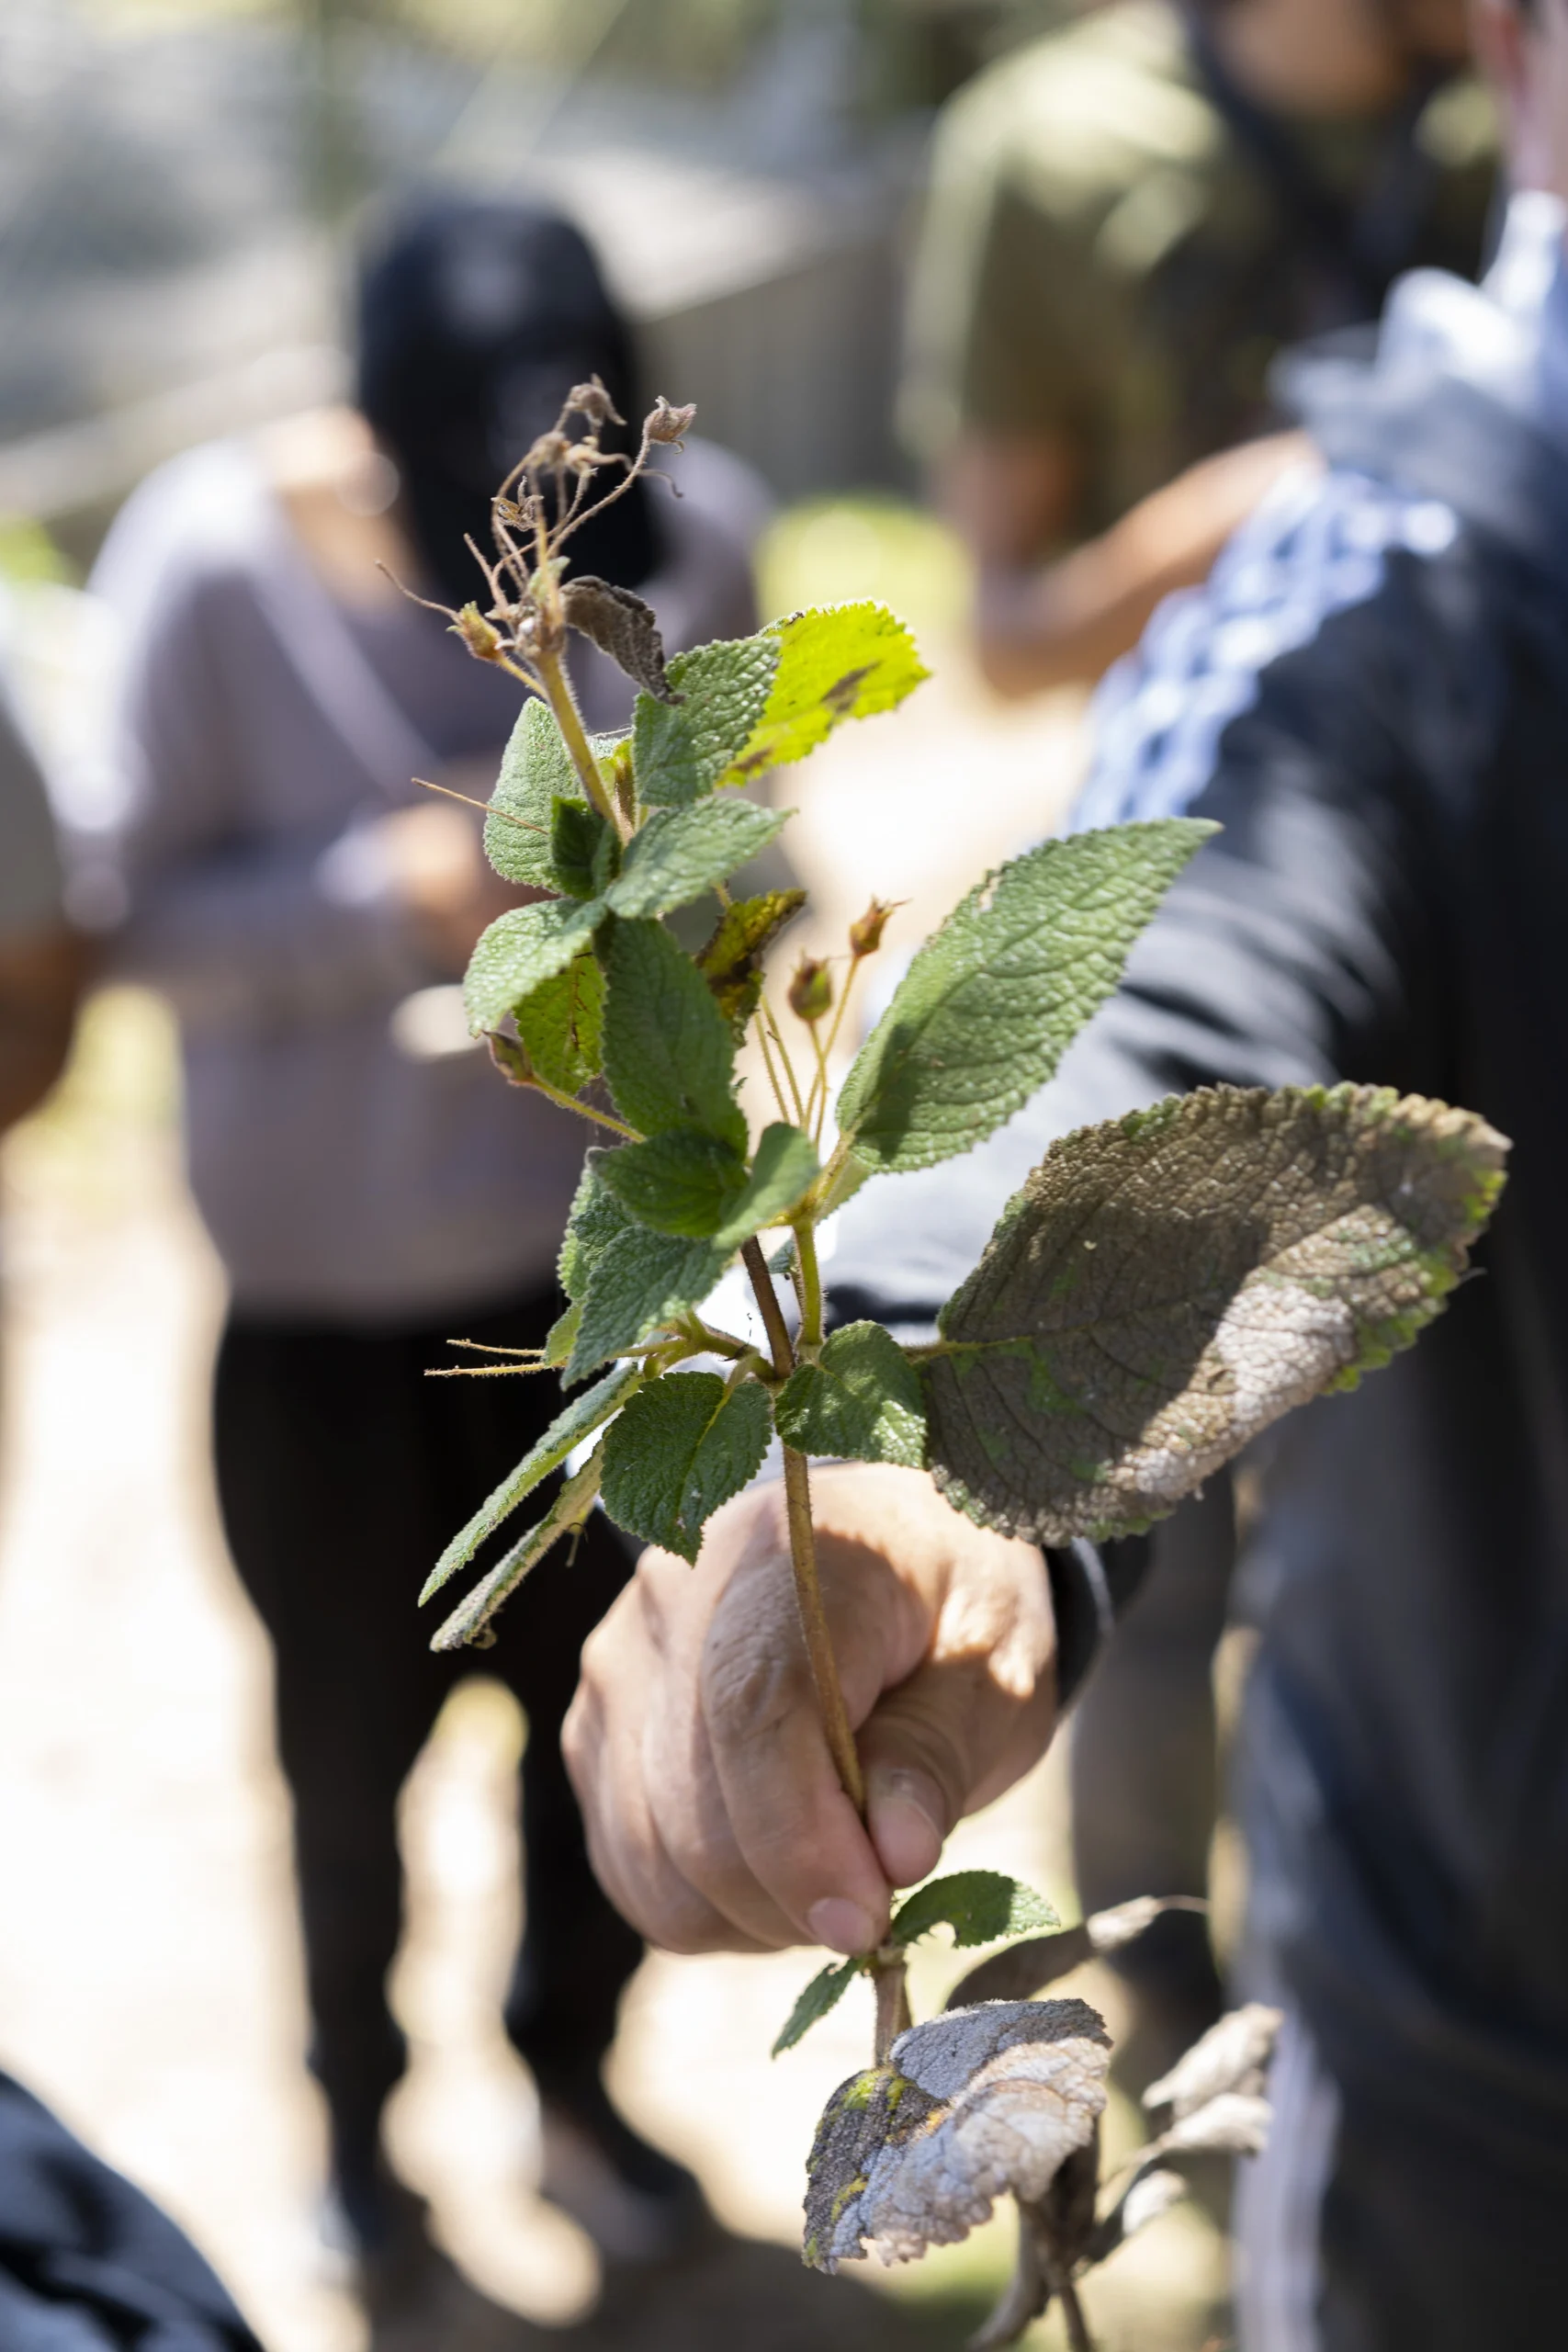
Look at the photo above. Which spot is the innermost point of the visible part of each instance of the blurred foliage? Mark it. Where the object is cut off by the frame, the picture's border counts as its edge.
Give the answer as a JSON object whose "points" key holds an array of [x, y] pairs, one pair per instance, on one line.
{"points": [[832, 550], [28, 555], [913, 52]]}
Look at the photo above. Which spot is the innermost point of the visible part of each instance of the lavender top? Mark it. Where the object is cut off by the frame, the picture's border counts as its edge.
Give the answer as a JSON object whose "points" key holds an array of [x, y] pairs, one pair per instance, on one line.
{"points": [[344, 1174]]}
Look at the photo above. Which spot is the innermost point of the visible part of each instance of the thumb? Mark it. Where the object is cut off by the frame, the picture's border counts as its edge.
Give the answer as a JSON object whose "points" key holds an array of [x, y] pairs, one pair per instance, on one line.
{"points": [[929, 1750]]}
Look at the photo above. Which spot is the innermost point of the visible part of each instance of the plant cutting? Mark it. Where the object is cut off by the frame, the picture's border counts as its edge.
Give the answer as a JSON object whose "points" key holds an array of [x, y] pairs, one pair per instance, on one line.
{"points": [[1163, 1287]]}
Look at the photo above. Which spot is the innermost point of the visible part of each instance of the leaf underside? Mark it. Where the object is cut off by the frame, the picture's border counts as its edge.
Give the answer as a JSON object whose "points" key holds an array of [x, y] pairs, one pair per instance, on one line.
{"points": [[824, 1991], [470, 1622], [535, 771], [519, 953], [1167, 1285], [731, 963], [581, 1418], [977, 2104], [995, 995], [683, 1447]]}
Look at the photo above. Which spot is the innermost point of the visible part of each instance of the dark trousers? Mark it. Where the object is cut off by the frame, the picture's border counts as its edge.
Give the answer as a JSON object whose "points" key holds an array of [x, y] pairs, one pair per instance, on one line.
{"points": [[341, 1473]]}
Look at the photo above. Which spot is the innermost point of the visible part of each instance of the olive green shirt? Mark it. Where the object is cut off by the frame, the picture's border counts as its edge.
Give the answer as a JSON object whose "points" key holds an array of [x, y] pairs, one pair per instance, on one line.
{"points": [[1102, 260]]}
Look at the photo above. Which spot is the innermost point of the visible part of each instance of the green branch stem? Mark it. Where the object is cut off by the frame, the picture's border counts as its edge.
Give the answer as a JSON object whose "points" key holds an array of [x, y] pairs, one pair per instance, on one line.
{"points": [[810, 1287], [803, 1551], [770, 1020], [573, 1103], [568, 718]]}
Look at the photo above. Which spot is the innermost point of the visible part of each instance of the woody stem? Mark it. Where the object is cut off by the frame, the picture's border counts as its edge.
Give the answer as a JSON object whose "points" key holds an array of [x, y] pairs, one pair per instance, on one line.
{"points": [[892, 2017], [803, 1550]]}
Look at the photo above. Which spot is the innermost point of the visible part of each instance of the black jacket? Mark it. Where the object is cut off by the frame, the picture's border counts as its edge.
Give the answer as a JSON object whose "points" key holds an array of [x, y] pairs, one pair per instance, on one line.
{"points": [[87, 2264], [1372, 697]]}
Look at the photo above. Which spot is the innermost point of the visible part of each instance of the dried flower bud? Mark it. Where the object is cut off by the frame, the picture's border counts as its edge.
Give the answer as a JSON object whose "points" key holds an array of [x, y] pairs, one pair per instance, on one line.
{"points": [[669, 425], [811, 988], [591, 401], [482, 641], [586, 457], [865, 936], [549, 452]]}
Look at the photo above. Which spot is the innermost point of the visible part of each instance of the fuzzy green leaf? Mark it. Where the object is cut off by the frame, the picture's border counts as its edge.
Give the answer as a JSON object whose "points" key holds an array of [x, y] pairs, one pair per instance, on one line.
{"points": [[669, 1465], [679, 1183], [519, 953], [836, 662], [581, 1419], [640, 1284], [470, 1622], [1167, 1285], [824, 1991], [680, 852], [980, 1907], [595, 1221], [680, 751], [562, 1337], [988, 1007], [684, 1182], [785, 1166], [535, 771], [731, 963], [862, 1401], [561, 1024], [668, 1055], [579, 842]]}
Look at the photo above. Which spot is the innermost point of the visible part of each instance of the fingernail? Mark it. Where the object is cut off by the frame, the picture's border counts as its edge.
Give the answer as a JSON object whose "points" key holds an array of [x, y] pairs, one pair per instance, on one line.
{"points": [[905, 1827], [843, 1927]]}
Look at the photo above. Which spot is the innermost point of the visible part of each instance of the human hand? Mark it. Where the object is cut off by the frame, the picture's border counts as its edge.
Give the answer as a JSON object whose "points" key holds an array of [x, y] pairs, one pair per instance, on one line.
{"points": [[434, 857], [715, 1819]]}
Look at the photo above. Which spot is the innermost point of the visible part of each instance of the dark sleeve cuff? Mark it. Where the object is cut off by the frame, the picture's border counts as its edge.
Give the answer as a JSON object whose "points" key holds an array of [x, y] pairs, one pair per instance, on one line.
{"points": [[1090, 1587]]}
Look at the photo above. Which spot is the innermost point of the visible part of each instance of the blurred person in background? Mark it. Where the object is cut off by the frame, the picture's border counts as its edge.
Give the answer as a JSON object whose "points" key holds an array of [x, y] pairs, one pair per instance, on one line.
{"points": [[86, 2262], [372, 1188], [1129, 219], [42, 959]]}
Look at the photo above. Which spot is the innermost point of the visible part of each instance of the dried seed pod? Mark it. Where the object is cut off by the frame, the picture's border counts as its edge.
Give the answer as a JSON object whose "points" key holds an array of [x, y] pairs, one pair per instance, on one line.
{"points": [[548, 453], [484, 641], [669, 426], [866, 935], [591, 401]]}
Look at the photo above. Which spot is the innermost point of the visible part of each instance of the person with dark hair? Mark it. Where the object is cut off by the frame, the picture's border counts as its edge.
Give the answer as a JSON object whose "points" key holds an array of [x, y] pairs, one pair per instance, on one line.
{"points": [[373, 1189]]}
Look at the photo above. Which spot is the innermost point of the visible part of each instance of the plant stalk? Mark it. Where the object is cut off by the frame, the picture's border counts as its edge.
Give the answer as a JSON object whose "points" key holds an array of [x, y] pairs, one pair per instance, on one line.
{"points": [[803, 1551], [810, 1285], [891, 1978], [568, 718], [1078, 2337]]}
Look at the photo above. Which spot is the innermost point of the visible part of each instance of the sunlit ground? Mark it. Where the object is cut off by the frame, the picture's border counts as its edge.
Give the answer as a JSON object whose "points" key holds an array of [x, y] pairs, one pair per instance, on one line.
{"points": [[149, 1972]]}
